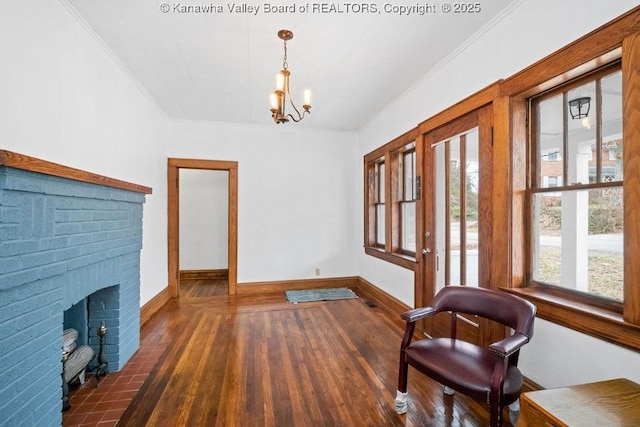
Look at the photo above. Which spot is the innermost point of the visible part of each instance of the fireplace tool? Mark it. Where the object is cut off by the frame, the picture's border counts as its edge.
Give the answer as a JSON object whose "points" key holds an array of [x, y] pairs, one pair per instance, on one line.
{"points": [[101, 369]]}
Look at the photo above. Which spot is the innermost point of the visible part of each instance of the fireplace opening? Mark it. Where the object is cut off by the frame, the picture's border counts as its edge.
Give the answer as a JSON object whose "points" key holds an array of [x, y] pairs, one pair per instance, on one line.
{"points": [[76, 317], [84, 337]]}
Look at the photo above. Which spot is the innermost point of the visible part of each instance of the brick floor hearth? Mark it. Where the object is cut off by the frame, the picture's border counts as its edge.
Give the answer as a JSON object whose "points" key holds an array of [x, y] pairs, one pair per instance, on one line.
{"points": [[103, 405]]}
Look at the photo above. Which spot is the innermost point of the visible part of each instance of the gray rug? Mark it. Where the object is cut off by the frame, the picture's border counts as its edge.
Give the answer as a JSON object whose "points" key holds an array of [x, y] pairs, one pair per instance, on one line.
{"points": [[308, 295]]}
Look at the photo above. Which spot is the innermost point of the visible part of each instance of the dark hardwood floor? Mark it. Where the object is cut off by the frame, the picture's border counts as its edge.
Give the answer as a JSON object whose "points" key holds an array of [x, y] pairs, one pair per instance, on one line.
{"points": [[256, 360]]}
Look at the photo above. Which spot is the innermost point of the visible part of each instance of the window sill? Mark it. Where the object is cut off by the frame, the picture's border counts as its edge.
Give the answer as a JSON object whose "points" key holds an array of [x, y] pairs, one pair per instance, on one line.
{"points": [[402, 260], [604, 324]]}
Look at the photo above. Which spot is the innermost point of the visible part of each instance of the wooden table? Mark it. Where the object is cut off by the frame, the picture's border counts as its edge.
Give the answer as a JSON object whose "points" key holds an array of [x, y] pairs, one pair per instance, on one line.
{"points": [[613, 403]]}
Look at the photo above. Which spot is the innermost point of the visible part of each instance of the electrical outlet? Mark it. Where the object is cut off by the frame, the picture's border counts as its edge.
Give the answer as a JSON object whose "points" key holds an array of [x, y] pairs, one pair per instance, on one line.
{"points": [[317, 271]]}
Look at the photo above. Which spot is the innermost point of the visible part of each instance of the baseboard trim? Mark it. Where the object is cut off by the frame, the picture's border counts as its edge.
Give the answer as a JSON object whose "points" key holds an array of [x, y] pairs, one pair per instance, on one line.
{"points": [[285, 285], [204, 274], [528, 385], [153, 305], [381, 298]]}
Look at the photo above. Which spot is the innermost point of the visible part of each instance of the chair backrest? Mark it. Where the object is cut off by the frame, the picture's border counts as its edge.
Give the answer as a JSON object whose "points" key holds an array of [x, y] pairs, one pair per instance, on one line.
{"points": [[510, 310]]}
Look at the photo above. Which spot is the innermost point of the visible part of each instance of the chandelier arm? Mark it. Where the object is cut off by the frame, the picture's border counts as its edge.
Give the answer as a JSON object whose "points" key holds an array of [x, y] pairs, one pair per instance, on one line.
{"points": [[295, 108], [300, 117]]}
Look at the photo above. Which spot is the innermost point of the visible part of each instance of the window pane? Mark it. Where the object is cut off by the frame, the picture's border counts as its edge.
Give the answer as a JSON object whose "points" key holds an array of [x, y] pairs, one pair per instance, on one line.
{"points": [[578, 241], [408, 208], [581, 133], [409, 175], [380, 224], [611, 87], [472, 173], [380, 209], [550, 139], [438, 229], [380, 182], [408, 226], [454, 211]]}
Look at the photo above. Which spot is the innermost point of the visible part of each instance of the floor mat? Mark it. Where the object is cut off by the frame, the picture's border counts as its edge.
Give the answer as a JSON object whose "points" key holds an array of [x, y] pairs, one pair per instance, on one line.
{"points": [[308, 295]]}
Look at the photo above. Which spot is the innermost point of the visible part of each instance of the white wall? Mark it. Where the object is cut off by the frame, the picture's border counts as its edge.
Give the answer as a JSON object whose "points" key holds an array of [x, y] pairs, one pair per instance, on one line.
{"points": [[295, 205], [204, 208], [530, 31], [64, 99], [558, 356]]}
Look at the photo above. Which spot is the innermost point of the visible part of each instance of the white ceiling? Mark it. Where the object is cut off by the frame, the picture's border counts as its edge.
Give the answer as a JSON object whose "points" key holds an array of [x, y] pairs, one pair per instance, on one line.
{"points": [[221, 66]]}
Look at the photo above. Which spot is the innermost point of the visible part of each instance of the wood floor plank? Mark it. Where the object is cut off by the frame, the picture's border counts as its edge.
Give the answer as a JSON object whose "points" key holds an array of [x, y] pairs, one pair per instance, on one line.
{"points": [[256, 360]]}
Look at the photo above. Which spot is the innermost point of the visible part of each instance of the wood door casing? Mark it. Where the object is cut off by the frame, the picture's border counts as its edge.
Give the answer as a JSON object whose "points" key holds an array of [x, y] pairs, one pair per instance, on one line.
{"points": [[173, 214]]}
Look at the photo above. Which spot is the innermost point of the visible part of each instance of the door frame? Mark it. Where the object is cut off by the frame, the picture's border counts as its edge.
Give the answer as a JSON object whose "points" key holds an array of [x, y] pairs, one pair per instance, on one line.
{"points": [[173, 218], [484, 98], [482, 119]]}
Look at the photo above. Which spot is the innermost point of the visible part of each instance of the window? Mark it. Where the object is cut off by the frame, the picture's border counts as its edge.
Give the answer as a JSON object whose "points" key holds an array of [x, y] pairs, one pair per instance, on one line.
{"points": [[391, 192], [407, 192], [577, 227], [572, 72]]}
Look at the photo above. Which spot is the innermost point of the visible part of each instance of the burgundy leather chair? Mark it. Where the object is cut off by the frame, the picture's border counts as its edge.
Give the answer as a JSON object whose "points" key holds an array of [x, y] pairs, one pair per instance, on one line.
{"points": [[490, 374]]}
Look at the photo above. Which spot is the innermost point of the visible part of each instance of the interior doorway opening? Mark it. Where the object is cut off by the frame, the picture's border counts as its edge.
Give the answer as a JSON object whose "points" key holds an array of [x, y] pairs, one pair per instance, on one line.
{"points": [[203, 224], [175, 166]]}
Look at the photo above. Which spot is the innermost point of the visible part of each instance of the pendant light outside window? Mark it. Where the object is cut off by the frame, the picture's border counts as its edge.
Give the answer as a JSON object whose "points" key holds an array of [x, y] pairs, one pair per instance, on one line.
{"points": [[280, 95], [579, 109]]}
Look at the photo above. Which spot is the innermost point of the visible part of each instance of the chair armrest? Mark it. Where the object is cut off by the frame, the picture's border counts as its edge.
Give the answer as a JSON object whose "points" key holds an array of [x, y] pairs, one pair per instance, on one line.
{"points": [[417, 314], [509, 345]]}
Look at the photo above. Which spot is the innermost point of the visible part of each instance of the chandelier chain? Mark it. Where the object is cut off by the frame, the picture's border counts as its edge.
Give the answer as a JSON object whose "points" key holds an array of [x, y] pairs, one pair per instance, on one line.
{"points": [[284, 60]]}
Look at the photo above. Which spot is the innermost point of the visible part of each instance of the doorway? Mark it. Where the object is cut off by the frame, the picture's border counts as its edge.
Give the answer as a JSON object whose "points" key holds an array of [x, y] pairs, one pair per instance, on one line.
{"points": [[457, 212], [174, 166]]}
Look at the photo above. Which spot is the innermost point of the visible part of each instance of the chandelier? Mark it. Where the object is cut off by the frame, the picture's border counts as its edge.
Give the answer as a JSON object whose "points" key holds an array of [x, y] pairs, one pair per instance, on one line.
{"points": [[280, 95]]}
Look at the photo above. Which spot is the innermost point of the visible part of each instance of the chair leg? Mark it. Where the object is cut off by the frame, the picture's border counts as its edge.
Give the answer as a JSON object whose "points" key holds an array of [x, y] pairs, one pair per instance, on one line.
{"points": [[514, 412], [401, 395], [495, 411], [401, 402]]}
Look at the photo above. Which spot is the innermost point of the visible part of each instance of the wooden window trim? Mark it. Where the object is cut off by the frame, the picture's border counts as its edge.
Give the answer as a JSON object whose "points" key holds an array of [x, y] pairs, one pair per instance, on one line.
{"points": [[598, 322], [402, 260], [619, 38]]}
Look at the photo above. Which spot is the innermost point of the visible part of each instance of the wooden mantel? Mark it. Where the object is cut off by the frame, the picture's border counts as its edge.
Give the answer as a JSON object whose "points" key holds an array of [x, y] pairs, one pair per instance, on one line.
{"points": [[32, 164]]}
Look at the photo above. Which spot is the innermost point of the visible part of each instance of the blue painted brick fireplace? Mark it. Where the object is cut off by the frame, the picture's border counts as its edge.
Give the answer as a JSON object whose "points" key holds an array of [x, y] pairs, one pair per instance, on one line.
{"points": [[61, 241]]}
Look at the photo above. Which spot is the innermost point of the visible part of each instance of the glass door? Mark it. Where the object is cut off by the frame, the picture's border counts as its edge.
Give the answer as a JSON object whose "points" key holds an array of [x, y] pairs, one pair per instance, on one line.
{"points": [[457, 196], [457, 183]]}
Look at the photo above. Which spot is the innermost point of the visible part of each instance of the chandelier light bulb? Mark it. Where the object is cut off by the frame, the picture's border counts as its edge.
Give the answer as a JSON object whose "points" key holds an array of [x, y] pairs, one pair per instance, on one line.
{"points": [[280, 81], [307, 98]]}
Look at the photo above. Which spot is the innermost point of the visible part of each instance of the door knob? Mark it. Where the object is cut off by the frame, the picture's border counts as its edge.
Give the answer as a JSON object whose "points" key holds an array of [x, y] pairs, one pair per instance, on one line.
{"points": [[426, 251]]}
